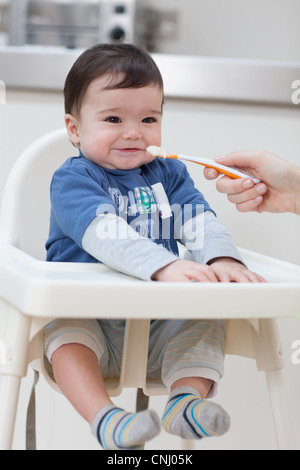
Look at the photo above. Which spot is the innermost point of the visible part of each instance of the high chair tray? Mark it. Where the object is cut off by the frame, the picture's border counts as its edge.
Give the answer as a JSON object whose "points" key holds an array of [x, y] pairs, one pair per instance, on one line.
{"points": [[43, 289]]}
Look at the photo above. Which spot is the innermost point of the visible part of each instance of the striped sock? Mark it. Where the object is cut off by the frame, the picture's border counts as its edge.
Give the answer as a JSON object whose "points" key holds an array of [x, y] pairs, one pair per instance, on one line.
{"points": [[116, 429], [189, 417]]}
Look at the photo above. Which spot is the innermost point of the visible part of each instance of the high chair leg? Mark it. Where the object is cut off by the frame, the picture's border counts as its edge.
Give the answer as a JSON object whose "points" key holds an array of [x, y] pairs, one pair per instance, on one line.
{"points": [[135, 353], [142, 402], [280, 409], [14, 343], [9, 396], [187, 444]]}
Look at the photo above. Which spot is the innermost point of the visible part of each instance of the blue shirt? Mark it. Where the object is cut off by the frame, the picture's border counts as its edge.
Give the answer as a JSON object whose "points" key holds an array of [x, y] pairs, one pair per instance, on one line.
{"points": [[81, 190]]}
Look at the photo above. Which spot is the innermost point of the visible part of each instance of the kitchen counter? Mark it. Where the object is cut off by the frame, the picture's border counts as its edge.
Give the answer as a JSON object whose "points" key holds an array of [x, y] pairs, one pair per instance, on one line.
{"points": [[188, 77]]}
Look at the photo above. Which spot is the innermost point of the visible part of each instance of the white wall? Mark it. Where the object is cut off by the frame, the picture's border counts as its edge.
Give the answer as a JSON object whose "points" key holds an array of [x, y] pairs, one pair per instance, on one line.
{"points": [[201, 129]]}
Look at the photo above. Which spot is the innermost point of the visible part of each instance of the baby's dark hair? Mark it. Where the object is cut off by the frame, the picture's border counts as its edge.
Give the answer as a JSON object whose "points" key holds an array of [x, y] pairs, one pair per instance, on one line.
{"points": [[134, 67]]}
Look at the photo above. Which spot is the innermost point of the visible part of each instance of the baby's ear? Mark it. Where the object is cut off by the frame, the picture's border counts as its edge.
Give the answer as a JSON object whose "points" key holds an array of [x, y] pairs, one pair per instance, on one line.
{"points": [[72, 128]]}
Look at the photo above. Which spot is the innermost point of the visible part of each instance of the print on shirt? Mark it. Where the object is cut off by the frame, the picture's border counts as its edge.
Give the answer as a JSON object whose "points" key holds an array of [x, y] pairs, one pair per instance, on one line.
{"points": [[117, 197], [147, 210], [145, 200], [139, 201]]}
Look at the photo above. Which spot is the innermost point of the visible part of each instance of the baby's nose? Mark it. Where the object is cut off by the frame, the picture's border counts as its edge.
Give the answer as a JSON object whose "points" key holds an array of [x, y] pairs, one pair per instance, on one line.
{"points": [[132, 133]]}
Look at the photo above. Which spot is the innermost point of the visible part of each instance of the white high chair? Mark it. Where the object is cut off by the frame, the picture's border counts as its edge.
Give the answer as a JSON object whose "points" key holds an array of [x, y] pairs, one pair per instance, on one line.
{"points": [[33, 292]]}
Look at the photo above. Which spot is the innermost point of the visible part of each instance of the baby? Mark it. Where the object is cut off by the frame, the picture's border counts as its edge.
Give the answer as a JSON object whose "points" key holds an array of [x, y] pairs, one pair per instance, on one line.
{"points": [[117, 204]]}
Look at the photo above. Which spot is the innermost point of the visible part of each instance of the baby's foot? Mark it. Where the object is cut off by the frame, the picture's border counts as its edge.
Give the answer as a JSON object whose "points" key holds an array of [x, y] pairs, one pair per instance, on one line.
{"points": [[189, 417], [116, 429]]}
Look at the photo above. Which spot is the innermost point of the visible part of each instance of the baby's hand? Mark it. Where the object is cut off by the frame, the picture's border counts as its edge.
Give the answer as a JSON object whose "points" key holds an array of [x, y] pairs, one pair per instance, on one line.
{"points": [[184, 271], [229, 270], [221, 270]]}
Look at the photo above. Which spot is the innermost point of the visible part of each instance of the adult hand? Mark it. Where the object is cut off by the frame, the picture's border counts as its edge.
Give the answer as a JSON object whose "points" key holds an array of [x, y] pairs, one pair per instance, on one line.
{"points": [[279, 190]]}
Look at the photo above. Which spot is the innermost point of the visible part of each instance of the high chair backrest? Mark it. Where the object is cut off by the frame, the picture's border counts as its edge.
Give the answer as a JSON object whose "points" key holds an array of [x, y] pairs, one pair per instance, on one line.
{"points": [[25, 210]]}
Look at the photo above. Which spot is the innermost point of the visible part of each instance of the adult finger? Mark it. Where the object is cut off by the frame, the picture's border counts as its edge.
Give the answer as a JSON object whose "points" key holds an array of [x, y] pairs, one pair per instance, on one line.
{"points": [[211, 174], [242, 159], [250, 206], [248, 195], [228, 185]]}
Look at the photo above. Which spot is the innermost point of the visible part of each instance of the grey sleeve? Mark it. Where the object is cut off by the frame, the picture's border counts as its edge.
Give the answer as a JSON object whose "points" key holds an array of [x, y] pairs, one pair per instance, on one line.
{"points": [[112, 241], [206, 238]]}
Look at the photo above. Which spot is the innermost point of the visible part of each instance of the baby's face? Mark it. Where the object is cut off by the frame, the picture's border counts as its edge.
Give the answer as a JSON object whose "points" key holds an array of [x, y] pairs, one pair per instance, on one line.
{"points": [[115, 127]]}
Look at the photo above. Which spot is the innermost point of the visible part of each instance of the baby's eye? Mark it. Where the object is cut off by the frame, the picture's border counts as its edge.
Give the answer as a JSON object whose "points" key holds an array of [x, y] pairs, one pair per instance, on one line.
{"points": [[113, 119], [149, 120]]}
